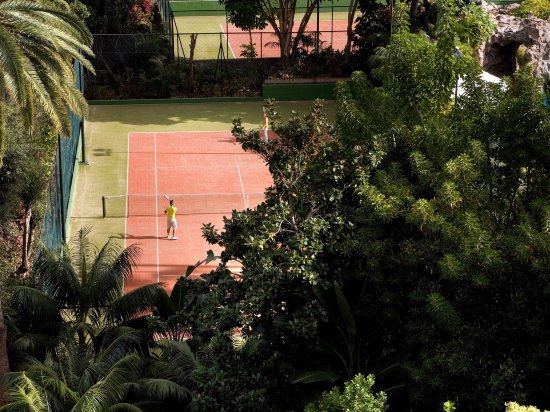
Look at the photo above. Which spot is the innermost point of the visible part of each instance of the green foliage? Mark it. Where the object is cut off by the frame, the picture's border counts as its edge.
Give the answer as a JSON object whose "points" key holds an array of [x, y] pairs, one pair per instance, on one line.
{"points": [[474, 26], [357, 397], [409, 240], [111, 374], [538, 8], [449, 406], [515, 407], [246, 14], [39, 42], [82, 286]]}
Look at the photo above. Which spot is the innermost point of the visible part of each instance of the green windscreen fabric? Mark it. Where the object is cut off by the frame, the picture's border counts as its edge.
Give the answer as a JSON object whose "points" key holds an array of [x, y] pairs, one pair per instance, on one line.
{"points": [[59, 190]]}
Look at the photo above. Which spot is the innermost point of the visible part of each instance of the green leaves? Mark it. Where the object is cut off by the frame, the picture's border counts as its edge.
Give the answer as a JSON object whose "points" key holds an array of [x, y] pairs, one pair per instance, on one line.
{"points": [[443, 312], [38, 41], [357, 396]]}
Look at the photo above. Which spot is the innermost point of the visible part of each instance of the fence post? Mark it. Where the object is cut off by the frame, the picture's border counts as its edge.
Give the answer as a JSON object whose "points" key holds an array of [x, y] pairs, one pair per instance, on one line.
{"points": [[61, 194], [332, 26], [104, 207], [83, 160]]}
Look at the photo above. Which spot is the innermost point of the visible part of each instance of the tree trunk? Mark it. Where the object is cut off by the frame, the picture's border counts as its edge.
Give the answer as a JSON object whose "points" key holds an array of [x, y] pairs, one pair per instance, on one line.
{"points": [[2, 127], [286, 23], [192, 45], [414, 9], [351, 17], [30, 237], [24, 268], [301, 29], [4, 361]]}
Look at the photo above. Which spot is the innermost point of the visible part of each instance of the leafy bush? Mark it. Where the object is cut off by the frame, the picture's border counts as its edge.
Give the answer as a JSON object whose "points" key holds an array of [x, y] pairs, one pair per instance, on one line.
{"points": [[514, 407], [357, 397], [538, 8]]}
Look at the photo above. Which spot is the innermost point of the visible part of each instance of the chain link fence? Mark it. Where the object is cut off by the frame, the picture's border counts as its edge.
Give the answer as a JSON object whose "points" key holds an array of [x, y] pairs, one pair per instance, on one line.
{"points": [[179, 62], [55, 217]]}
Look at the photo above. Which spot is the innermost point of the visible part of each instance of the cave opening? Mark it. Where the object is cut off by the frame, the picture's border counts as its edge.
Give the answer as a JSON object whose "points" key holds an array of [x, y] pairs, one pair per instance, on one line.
{"points": [[500, 60]]}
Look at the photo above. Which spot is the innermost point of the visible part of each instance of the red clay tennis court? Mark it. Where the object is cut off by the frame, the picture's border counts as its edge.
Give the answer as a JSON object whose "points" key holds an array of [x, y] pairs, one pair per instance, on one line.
{"points": [[206, 173], [331, 33]]}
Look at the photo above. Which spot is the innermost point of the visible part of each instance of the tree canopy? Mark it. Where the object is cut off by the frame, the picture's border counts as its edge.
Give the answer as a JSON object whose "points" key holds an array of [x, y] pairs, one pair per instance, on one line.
{"points": [[409, 239]]}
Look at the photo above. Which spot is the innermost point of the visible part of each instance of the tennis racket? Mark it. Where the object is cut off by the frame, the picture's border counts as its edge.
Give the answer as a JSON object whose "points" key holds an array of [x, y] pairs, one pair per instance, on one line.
{"points": [[166, 196]]}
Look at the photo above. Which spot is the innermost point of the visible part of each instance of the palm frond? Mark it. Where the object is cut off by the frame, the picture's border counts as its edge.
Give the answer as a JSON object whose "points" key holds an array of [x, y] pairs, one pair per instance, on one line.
{"points": [[163, 389], [24, 394], [38, 39], [317, 376], [121, 345], [58, 278], [124, 407], [111, 268], [178, 355], [41, 307], [137, 303], [111, 390]]}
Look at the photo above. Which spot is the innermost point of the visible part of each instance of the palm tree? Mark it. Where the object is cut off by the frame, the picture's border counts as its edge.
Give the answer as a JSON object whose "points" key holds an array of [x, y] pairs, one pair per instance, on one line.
{"points": [[80, 295], [39, 40], [115, 377]]}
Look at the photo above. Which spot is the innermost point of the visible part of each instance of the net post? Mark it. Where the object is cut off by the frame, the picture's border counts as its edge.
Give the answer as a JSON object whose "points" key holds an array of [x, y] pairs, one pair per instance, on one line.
{"points": [[104, 207]]}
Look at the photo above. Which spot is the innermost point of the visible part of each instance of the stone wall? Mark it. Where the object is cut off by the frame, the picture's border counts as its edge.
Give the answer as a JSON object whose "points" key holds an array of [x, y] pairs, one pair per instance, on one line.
{"points": [[498, 56]]}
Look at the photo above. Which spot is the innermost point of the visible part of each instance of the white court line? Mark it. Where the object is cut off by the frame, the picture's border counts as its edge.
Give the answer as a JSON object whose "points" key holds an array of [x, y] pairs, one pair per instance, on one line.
{"points": [[242, 187], [127, 179], [210, 165], [228, 42], [157, 207], [225, 132]]}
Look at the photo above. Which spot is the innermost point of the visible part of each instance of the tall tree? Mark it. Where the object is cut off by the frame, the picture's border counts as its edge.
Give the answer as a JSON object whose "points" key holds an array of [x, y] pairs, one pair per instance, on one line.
{"points": [[279, 14], [38, 42], [413, 232]]}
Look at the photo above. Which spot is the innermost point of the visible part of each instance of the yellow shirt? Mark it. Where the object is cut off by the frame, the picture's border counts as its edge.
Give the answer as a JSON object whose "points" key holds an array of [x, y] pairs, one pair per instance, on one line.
{"points": [[266, 122], [171, 212]]}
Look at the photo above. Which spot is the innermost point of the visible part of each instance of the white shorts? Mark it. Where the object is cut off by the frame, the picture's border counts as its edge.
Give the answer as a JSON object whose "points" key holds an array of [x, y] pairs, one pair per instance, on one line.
{"points": [[171, 223]]}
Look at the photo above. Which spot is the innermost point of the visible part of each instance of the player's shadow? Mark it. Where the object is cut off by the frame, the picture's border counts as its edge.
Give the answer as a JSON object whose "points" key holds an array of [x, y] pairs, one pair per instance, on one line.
{"points": [[128, 236]]}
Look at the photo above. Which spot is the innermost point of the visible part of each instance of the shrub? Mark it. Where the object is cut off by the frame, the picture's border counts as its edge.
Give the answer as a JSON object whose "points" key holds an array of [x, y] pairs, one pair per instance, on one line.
{"points": [[538, 8], [357, 397]]}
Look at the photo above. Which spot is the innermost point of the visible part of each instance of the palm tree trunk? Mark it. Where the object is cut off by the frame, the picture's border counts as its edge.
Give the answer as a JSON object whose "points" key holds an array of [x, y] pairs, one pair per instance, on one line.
{"points": [[4, 361], [351, 14]]}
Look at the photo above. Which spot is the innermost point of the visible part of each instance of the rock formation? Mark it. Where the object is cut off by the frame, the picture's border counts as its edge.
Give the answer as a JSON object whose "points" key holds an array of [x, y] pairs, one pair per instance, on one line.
{"points": [[498, 56]]}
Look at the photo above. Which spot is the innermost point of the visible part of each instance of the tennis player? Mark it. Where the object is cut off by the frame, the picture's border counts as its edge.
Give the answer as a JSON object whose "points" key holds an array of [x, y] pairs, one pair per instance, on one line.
{"points": [[171, 222], [265, 126]]}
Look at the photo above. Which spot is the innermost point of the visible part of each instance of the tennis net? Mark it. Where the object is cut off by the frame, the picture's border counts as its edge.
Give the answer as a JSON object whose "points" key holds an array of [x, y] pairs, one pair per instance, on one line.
{"points": [[187, 204]]}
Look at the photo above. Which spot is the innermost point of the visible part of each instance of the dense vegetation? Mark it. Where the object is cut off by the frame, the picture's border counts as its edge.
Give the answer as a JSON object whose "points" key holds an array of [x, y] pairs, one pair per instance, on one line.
{"points": [[538, 8], [408, 241]]}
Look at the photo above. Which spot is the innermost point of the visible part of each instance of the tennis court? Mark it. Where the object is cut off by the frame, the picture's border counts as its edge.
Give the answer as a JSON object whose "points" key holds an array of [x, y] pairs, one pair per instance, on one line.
{"points": [[207, 174], [331, 33], [193, 145], [214, 32]]}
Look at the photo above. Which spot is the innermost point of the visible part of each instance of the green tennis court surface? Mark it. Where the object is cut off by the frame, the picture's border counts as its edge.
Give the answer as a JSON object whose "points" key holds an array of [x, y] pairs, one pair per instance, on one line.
{"points": [[213, 7]]}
